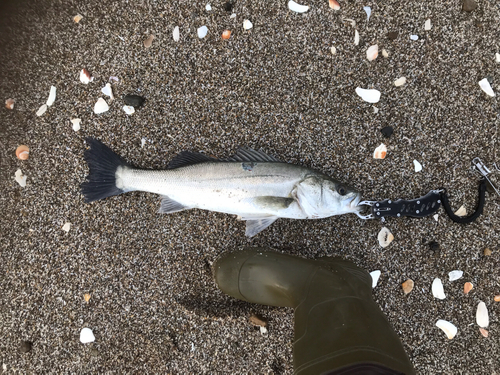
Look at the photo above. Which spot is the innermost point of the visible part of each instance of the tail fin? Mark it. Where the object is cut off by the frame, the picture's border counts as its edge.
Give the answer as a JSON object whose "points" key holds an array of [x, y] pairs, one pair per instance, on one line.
{"points": [[103, 163]]}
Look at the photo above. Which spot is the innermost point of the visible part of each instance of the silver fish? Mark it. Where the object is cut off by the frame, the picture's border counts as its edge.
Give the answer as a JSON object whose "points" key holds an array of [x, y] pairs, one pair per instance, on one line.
{"points": [[256, 187]]}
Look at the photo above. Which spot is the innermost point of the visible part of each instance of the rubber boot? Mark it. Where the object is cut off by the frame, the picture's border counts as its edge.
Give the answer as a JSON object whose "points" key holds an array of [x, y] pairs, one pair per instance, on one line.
{"points": [[339, 329]]}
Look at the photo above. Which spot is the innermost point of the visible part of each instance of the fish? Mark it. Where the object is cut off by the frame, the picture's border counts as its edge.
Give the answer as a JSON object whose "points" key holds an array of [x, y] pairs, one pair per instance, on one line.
{"points": [[256, 187]]}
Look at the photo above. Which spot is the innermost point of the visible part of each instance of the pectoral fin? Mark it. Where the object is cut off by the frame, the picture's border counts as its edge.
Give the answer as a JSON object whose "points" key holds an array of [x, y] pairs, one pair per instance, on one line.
{"points": [[169, 206], [258, 225]]}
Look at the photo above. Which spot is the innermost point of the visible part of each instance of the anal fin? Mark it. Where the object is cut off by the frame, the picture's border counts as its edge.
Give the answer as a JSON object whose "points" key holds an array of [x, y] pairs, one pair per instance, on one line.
{"points": [[169, 206], [255, 226]]}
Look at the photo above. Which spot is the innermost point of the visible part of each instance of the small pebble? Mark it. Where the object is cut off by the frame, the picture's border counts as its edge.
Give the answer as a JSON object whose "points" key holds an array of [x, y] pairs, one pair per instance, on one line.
{"points": [[385, 53], [176, 34], [94, 352], [247, 24], [468, 287], [400, 81], [497, 57], [427, 25], [9, 103], [257, 320], [387, 131], [469, 5], [86, 336], [77, 18], [408, 286], [333, 50], [149, 41], [202, 32], [66, 227], [392, 35], [497, 298], [226, 34], [134, 100], [26, 346], [86, 297], [414, 37], [434, 246], [487, 252], [208, 7], [228, 6]]}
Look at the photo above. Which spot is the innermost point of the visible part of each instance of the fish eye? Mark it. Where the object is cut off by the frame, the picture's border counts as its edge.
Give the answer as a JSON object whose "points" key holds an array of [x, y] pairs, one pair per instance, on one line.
{"points": [[341, 190]]}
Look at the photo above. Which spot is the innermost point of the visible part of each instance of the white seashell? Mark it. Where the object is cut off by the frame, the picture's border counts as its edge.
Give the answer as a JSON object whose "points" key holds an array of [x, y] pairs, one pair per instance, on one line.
{"points": [[41, 110], [356, 37], [85, 77], [208, 7], [486, 87], [427, 25], [77, 18], [294, 7], [380, 152], [9, 103], [436, 217], [372, 53], [128, 109], [455, 275], [202, 32], [437, 289], [176, 34], [414, 37], [368, 95], [100, 106], [20, 178], [368, 11], [76, 124], [497, 57], [232, 15], [400, 81], [447, 328], [263, 331], [86, 336], [52, 96], [385, 237], [482, 318], [418, 166], [385, 53], [461, 211], [66, 227], [333, 50], [107, 90], [334, 4], [247, 24], [375, 276], [143, 142]]}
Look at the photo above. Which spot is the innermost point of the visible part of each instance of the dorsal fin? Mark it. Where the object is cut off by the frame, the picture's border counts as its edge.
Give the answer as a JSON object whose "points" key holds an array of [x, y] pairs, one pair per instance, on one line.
{"points": [[245, 154], [189, 158]]}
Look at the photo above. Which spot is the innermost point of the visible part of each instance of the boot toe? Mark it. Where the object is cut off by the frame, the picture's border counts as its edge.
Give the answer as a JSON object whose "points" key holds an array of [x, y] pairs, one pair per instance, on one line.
{"points": [[227, 272]]}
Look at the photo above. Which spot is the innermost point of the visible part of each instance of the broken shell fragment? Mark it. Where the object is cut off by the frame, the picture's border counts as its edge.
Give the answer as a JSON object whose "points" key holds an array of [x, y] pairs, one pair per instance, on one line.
{"points": [[385, 53], [149, 41], [86, 296], [461, 211], [66, 227], [226, 34], [107, 90], [22, 152], [20, 178], [418, 166], [76, 124], [427, 25], [334, 4], [356, 37], [9, 103], [447, 328], [52, 96], [85, 77], [368, 12], [368, 95], [202, 32], [380, 152], [497, 57], [400, 81], [77, 18], [41, 110], [486, 87], [100, 106], [497, 298], [128, 109], [385, 237], [176, 34], [482, 318], [455, 275], [372, 53], [86, 336], [333, 50], [408, 286], [468, 287], [208, 7], [247, 24], [294, 7], [375, 276], [414, 37], [437, 289], [483, 332]]}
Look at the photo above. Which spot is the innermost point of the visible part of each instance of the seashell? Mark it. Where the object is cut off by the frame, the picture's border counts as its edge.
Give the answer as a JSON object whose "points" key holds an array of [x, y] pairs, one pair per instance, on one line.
{"points": [[294, 7], [400, 81], [143, 142], [418, 166], [375, 110], [497, 298], [101, 106], [375, 276], [356, 37], [263, 331], [333, 50], [482, 318], [461, 211], [455, 275], [437, 289], [447, 328], [414, 37], [149, 41], [22, 152], [368, 95], [380, 152], [208, 7], [436, 217], [52, 96], [487, 251], [66, 227], [76, 124], [368, 11], [41, 110], [85, 77], [107, 90], [408, 286], [86, 336], [247, 25], [427, 25], [385, 53], [226, 34], [232, 15], [497, 57], [483, 332], [468, 287], [77, 18], [334, 4], [20, 178], [486, 87], [86, 296], [385, 237], [128, 109], [372, 53], [176, 34], [9, 103], [202, 32]]}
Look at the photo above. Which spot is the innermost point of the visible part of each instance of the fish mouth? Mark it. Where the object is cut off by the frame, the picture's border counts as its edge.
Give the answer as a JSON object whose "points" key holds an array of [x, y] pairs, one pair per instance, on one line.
{"points": [[354, 203]]}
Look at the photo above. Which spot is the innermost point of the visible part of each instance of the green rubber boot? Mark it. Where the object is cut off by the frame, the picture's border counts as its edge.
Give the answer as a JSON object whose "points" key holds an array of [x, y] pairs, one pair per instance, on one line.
{"points": [[339, 329]]}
